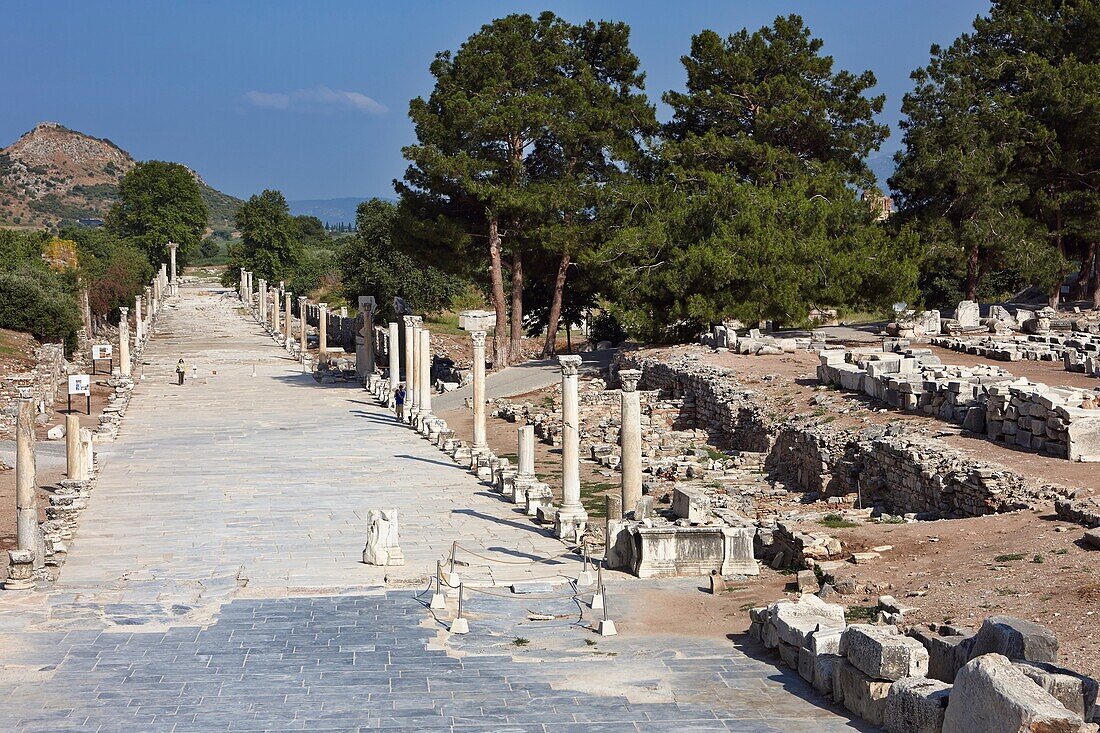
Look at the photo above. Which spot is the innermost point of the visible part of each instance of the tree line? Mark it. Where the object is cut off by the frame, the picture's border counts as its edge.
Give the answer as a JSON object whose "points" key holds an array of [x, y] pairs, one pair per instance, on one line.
{"points": [[541, 174]]}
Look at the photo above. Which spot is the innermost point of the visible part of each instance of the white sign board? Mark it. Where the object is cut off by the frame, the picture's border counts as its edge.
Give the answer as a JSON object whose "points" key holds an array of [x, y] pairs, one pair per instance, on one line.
{"points": [[80, 384], [101, 351]]}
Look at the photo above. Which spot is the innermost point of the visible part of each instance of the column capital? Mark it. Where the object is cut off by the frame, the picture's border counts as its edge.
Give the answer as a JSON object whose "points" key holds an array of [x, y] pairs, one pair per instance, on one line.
{"points": [[124, 311], [417, 321], [629, 379], [137, 299], [478, 337], [172, 245], [569, 365], [409, 321], [323, 306], [302, 298]]}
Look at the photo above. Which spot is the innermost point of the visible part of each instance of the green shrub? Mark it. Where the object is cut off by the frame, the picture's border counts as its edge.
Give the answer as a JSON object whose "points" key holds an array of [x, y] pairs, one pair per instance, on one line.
{"points": [[36, 302]]}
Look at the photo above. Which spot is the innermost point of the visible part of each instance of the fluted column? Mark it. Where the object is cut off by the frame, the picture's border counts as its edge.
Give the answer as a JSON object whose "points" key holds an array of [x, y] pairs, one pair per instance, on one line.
{"points": [[425, 381], [364, 343], [124, 342], [172, 247], [630, 438], [480, 444]]}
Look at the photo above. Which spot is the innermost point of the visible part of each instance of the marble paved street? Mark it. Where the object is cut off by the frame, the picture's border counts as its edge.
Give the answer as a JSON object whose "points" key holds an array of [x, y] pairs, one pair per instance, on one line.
{"points": [[215, 581]]}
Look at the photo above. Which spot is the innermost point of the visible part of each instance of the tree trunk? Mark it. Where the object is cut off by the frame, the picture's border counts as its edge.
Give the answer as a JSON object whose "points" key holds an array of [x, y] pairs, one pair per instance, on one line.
{"points": [[515, 347], [496, 279], [555, 309], [972, 267], [1084, 277]]}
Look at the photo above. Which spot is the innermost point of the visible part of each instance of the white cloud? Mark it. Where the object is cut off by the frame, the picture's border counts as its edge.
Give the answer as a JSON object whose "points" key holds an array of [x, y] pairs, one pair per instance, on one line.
{"points": [[316, 99]]}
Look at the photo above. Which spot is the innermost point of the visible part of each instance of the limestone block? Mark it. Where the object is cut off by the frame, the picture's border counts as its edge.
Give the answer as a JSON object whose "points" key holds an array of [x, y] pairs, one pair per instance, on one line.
{"points": [[789, 654], [916, 705], [690, 504], [859, 693], [1016, 639], [795, 620], [1074, 690], [946, 654], [992, 696], [882, 653], [1083, 435], [968, 313], [382, 539]]}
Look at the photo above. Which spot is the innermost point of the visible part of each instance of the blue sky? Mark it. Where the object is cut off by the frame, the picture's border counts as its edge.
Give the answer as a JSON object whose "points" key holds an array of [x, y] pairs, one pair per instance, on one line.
{"points": [[311, 97]]}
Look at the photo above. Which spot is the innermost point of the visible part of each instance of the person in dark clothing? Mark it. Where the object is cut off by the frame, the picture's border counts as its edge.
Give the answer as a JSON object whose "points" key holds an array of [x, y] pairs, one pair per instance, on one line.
{"points": [[181, 369], [399, 402]]}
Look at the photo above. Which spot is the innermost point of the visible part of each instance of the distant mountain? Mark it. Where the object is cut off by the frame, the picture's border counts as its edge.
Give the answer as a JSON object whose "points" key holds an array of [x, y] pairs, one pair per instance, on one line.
{"points": [[54, 176], [329, 211]]}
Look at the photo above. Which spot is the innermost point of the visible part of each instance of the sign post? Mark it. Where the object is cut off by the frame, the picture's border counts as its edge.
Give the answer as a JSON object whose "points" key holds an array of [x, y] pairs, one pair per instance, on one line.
{"points": [[103, 352], [80, 384]]}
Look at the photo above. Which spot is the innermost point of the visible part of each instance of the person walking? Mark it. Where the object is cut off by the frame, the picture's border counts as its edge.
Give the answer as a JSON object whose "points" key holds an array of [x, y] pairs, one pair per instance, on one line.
{"points": [[399, 402], [181, 369]]}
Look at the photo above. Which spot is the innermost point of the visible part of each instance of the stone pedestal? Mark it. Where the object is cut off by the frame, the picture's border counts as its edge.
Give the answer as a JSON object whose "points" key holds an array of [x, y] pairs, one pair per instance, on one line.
{"points": [[571, 519], [20, 570], [480, 444], [382, 546], [124, 342], [395, 360], [525, 453], [630, 437], [322, 334], [28, 535]]}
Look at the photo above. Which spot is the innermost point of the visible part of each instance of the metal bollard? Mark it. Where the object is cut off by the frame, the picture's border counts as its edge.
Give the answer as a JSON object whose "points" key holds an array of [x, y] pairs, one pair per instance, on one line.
{"points": [[460, 625], [439, 601]]}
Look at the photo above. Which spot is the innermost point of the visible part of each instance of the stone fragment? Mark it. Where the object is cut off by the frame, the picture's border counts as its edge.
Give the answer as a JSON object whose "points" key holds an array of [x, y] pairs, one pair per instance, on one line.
{"points": [[1092, 539], [795, 620], [382, 539], [882, 653], [1016, 639], [859, 693], [990, 695], [947, 653], [916, 705], [1074, 690]]}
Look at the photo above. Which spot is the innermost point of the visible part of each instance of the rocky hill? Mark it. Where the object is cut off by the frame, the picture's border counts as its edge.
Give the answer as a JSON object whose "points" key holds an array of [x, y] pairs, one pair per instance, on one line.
{"points": [[55, 176]]}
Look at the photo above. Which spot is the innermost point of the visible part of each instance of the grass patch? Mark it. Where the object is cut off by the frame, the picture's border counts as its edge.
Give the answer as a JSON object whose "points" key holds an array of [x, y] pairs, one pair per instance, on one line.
{"points": [[860, 614], [1061, 551], [891, 520], [520, 641], [1010, 558], [512, 457], [714, 454], [592, 498], [445, 323], [591, 642], [7, 348], [1038, 560], [836, 521], [746, 607]]}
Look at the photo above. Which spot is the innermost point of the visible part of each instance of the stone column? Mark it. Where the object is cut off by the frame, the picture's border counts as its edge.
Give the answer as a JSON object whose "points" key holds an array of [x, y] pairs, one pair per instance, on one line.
{"points": [[139, 325], [425, 381], [74, 461], [244, 283], [276, 306], [288, 319], [124, 342], [395, 359], [28, 535], [262, 303], [630, 438], [411, 370], [172, 247], [571, 519], [526, 453], [303, 309], [408, 323], [322, 333], [364, 344], [480, 445]]}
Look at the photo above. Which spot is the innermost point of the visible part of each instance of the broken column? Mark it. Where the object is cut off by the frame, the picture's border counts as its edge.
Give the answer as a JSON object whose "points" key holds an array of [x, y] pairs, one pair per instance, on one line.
{"points": [[28, 535], [480, 444], [364, 343], [382, 546], [395, 359], [630, 437], [571, 519], [124, 342], [74, 461], [322, 334], [526, 454]]}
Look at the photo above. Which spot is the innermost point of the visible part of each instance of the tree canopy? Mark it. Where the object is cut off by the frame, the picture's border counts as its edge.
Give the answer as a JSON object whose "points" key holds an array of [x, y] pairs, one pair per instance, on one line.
{"points": [[159, 202], [270, 245]]}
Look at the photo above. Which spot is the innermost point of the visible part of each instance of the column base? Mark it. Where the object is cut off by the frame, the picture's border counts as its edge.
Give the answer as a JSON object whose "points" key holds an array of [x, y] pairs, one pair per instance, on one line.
{"points": [[570, 524]]}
